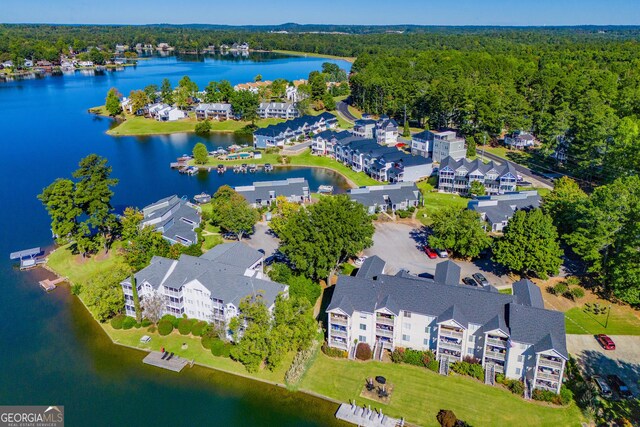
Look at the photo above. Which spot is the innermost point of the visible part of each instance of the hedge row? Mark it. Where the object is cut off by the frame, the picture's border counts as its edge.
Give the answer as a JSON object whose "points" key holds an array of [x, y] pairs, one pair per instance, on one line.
{"points": [[474, 370], [334, 352], [409, 356], [165, 327]]}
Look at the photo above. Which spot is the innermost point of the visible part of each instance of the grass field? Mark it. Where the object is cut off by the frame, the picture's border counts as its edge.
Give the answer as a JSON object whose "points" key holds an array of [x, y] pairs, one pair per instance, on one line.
{"points": [[434, 201], [419, 394], [622, 321], [80, 270], [314, 55]]}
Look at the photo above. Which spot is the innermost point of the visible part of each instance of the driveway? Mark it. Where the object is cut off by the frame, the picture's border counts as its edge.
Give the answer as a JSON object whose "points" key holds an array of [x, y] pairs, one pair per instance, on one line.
{"points": [[262, 239], [535, 178], [399, 244], [343, 110], [624, 361]]}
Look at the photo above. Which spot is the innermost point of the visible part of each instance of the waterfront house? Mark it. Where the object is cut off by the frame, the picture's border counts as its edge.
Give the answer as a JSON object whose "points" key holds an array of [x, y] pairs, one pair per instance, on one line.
{"points": [[497, 210], [513, 335], [175, 218], [278, 135], [386, 131], [209, 287], [214, 111], [438, 145], [392, 197], [253, 87], [519, 140], [264, 193], [456, 176], [323, 143], [277, 110], [169, 114], [364, 128]]}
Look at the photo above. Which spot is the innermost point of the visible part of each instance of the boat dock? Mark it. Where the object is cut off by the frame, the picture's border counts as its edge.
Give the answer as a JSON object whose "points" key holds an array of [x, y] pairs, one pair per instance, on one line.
{"points": [[175, 363], [366, 417], [49, 285], [29, 258]]}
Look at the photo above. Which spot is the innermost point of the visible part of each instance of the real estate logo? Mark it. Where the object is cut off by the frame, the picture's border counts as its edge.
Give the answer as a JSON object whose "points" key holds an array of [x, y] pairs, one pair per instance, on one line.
{"points": [[31, 416]]}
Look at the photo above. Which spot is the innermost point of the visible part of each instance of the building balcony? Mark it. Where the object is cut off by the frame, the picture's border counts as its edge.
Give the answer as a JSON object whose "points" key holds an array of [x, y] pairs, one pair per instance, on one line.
{"points": [[339, 333], [499, 369], [450, 345], [549, 363], [384, 332], [497, 342], [495, 355], [383, 320], [548, 376], [339, 320], [546, 385], [339, 344], [451, 333]]}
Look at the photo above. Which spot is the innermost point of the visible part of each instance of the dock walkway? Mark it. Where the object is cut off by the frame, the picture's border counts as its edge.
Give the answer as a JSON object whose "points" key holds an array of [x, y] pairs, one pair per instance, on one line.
{"points": [[363, 416], [49, 285], [175, 364]]}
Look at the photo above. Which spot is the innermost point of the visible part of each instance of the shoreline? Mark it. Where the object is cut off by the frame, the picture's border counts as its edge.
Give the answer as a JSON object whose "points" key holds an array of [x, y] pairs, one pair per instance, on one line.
{"points": [[349, 59]]}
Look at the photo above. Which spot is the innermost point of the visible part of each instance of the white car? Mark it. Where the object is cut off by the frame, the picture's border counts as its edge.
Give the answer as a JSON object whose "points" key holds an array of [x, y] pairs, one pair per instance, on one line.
{"points": [[442, 253], [360, 260]]}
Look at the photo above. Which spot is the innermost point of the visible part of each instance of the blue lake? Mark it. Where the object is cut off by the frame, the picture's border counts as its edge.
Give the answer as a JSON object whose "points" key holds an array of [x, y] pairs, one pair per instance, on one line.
{"points": [[52, 351]]}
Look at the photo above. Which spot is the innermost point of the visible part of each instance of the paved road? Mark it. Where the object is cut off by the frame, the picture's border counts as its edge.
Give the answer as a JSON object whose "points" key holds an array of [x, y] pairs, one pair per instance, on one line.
{"points": [[262, 239], [343, 109], [527, 174], [624, 361]]}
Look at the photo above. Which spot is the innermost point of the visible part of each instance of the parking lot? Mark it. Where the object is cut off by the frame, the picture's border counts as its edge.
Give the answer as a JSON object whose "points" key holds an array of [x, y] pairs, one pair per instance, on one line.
{"points": [[262, 239], [400, 245], [624, 361]]}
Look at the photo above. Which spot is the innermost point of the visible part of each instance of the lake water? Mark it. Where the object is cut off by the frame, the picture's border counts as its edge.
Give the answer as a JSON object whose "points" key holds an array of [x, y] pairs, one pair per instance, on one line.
{"points": [[51, 351]]}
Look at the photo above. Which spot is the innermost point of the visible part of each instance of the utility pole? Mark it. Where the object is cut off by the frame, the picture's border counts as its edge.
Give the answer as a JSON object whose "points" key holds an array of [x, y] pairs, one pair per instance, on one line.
{"points": [[608, 314], [484, 141]]}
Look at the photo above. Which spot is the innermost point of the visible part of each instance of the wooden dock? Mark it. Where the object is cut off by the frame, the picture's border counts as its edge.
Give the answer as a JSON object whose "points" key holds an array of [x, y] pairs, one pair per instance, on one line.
{"points": [[365, 417], [175, 364], [49, 285]]}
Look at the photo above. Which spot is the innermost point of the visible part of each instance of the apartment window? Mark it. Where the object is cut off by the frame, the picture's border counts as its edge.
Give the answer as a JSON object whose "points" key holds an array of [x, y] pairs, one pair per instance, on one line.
{"points": [[362, 338], [517, 371], [406, 338], [520, 358], [363, 316], [407, 314], [406, 325], [470, 351], [425, 341], [471, 338], [363, 327]]}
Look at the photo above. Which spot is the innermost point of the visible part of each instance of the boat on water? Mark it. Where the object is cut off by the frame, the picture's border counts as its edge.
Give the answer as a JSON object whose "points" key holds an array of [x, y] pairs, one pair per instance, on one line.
{"points": [[243, 168], [202, 198], [325, 189], [268, 167], [253, 168], [237, 169], [222, 168]]}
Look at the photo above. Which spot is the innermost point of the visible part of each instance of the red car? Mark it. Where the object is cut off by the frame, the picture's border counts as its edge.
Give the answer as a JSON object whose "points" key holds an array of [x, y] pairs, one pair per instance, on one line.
{"points": [[606, 342], [430, 252]]}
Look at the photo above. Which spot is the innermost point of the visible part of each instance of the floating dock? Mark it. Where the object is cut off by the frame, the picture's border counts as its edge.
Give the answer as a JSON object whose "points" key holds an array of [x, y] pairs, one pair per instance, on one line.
{"points": [[175, 364], [49, 285], [365, 417]]}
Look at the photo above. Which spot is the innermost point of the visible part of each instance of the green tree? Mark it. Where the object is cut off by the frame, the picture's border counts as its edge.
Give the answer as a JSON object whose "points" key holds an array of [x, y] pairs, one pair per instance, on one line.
{"points": [[232, 212], [279, 88], [103, 294], [318, 86], [284, 209], [319, 238], [130, 223], [459, 230], [112, 103], [562, 204], [190, 87], [166, 91], [245, 104], [59, 200], [139, 99], [148, 243], [530, 244], [252, 346], [329, 102], [471, 147], [258, 78], [203, 127], [226, 90], [200, 153], [406, 132], [182, 97], [477, 188], [212, 92], [150, 91]]}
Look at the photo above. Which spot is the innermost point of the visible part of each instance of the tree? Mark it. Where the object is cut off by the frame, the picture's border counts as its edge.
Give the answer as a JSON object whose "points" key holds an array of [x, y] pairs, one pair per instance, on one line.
{"points": [[138, 99], [329, 102], [477, 188], [153, 306], [103, 294], [200, 153], [59, 200], [319, 238], [146, 244], [562, 204], [112, 103], [93, 195], [530, 244], [333, 72], [166, 91], [150, 91], [190, 87], [245, 104], [406, 132], [459, 230], [284, 209], [279, 88], [232, 212], [226, 90], [203, 127], [130, 223], [318, 86], [252, 347], [471, 147], [258, 78], [212, 92]]}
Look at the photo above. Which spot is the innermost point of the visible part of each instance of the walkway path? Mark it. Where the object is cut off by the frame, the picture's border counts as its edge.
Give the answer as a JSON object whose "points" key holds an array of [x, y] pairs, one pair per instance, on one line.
{"points": [[343, 109]]}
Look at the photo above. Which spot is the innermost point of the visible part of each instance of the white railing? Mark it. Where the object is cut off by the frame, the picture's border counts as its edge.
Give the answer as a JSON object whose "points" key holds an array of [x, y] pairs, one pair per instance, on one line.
{"points": [[384, 320], [549, 363], [451, 333], [548, 376], [450, 345], [497, 342], [384, 332], [339, 344], [496, 355], [339, 320], [338, 333]]}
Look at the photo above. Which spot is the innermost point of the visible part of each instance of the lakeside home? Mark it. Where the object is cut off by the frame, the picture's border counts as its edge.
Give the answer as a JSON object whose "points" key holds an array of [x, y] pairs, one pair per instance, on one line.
{"points": [[277, 110], [264, 193], [209, 287], [287, 132], [391, 197], [456, 176], [175, 218], [497, 210], [512, 335], [438, 145], [215, 111]]}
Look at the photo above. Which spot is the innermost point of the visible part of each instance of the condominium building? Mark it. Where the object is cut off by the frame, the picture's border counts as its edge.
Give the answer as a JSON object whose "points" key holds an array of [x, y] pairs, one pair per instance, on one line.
{"points": [[391, 197], [438, 145], [456, 176], [277, 110], [215, 111], [264, 193], [497, 210], [175, 218], [509, 334]]}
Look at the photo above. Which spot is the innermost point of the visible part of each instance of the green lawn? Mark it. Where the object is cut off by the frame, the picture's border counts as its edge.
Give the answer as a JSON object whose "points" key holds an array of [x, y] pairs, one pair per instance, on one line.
{"points": [[541, 191], [622, 321], [315, 55], [306, 159], [80, 271], [434, 201], [419, 394], [354, 111]]}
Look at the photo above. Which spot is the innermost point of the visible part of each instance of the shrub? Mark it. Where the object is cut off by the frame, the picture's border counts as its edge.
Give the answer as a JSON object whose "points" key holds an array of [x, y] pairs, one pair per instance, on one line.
{"points": [[185, 325], [434, 366], [152, 328], [334, 352], [207, 341], [220, 348], [577, 293], [560, 288], [76, 289], [172, 319], [413, 357], [543, 395], [446, 418], [297, 368], [566, 395], [397, 355], [572, 281], [363, 351], [515, 386], [165, 327], [403, 213], [145, 323], [128, 322], [203, 127], [500, 378], [198, 328], [117, 321]]}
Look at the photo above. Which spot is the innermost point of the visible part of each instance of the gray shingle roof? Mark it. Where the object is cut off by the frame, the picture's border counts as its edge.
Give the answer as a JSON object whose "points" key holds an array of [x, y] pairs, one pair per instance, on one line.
{"points": [[532, 325], [478, 166], [180, 220], [235, 253], [499, 208], [448, 273], [371, 267], [379, 195], [527, 293], [454, 313], [292, 187]]}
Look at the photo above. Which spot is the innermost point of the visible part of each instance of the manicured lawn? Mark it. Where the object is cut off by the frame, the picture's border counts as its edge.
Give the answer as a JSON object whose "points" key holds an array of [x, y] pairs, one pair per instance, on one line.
{"points": [[315, 55], [173, 342], [541, 191], [306, 159], [354, 111], [434, 201], [79, 270], [211, 240], [622, 321], [419, 394]]}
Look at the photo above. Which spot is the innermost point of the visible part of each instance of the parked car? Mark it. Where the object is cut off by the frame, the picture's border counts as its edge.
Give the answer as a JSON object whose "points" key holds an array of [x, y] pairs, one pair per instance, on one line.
{"points": [[479, 277], [360, 260], [606, 342], [430, 252], [442, 253], [603, 386], [469, 281], [619, 386], [230, 236]]}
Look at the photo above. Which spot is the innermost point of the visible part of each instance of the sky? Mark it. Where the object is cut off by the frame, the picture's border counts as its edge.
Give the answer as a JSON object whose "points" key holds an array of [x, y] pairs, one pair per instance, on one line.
{"points": [[366, 12]]}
